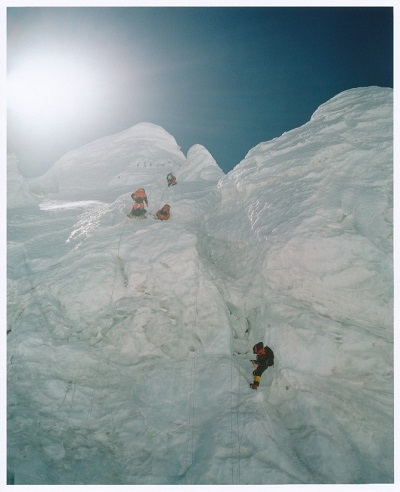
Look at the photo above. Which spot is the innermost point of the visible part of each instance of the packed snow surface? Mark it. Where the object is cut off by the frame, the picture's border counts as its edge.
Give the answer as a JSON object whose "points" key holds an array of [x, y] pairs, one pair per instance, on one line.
{"points": [[129, 340]]}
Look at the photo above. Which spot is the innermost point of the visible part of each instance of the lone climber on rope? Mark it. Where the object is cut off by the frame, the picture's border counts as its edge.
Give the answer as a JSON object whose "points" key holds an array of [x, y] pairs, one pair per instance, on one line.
{"points": [[164, 213], [171, 179], [139, 198], [265, 358]]}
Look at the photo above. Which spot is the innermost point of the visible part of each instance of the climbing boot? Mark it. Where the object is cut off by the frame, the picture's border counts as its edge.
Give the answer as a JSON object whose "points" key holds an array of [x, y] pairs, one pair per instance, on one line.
{"points": [[256, 382]]}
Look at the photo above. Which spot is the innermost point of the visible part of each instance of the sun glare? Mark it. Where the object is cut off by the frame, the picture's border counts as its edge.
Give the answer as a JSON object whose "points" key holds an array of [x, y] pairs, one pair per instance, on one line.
{"points": [[50, 91]]}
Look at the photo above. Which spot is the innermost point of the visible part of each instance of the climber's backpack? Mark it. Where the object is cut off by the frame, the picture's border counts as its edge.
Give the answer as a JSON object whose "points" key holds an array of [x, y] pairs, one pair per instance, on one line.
{"points": [[270, 355]]}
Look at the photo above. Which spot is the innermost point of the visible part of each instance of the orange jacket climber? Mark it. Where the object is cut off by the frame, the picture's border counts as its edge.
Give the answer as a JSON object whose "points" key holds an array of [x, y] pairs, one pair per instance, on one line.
{"points": [[164, 213], [139, 198]]}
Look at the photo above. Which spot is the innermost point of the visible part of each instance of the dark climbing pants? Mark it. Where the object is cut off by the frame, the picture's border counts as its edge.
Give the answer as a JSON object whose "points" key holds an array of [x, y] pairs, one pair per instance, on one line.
{"points": [[260, 369]]}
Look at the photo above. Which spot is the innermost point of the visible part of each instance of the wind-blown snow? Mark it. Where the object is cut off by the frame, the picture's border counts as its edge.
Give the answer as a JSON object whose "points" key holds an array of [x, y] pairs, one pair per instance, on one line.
{"points": [[129, 340]]}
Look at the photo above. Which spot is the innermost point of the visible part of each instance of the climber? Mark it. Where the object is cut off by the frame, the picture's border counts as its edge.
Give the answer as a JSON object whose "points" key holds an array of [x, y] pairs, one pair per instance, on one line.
{"points": [[171, 179], [139, 198], [164, 213], [265, 358]]}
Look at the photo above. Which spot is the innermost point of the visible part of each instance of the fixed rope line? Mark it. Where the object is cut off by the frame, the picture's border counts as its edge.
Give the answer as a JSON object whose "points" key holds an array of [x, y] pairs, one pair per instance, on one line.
{"points": [[233, 447], [118, 262], [190, 443], [165, 190], [102, 338], [162, 197], [239, 437], [231, 400], [193, 372], [161, 200], [235, 454]]}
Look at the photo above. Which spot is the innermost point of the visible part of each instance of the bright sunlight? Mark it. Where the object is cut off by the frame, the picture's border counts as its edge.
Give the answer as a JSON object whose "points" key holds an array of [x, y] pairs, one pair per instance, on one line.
{"points": [[48, 91]]}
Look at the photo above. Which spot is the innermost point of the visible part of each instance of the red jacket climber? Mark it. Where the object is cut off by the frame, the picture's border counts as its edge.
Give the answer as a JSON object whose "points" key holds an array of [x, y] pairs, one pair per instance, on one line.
{"points": [[164, 213]]}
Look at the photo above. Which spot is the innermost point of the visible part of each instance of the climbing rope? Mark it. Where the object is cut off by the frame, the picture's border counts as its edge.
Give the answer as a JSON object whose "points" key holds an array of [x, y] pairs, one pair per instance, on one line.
{"points": [[161, 200], [117, 265], [190, 433], [234, 422], [118, 262], [235, 446], [190, 445], [102, 338]]}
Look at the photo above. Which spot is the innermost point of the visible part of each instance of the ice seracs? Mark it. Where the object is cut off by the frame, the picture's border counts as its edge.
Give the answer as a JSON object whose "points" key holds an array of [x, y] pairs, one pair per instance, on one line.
{"points": [[200, 164], [130, 342]]}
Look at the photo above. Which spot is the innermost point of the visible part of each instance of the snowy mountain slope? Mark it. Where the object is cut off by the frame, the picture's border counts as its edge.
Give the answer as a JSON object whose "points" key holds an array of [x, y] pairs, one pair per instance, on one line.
{"points": [[129, 340], [311, 269]]}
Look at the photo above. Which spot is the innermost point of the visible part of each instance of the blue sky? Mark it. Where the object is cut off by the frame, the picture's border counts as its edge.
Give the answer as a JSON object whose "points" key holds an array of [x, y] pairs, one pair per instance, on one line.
{"points": [[224, 77]]}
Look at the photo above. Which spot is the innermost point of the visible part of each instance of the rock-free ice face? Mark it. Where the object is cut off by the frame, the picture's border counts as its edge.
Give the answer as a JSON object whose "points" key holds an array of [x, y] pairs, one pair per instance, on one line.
{"points": [[129, 341]]}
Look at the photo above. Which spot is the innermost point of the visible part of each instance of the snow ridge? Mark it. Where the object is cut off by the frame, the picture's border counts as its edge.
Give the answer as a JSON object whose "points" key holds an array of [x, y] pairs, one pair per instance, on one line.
{"points": [[112, 161]]}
